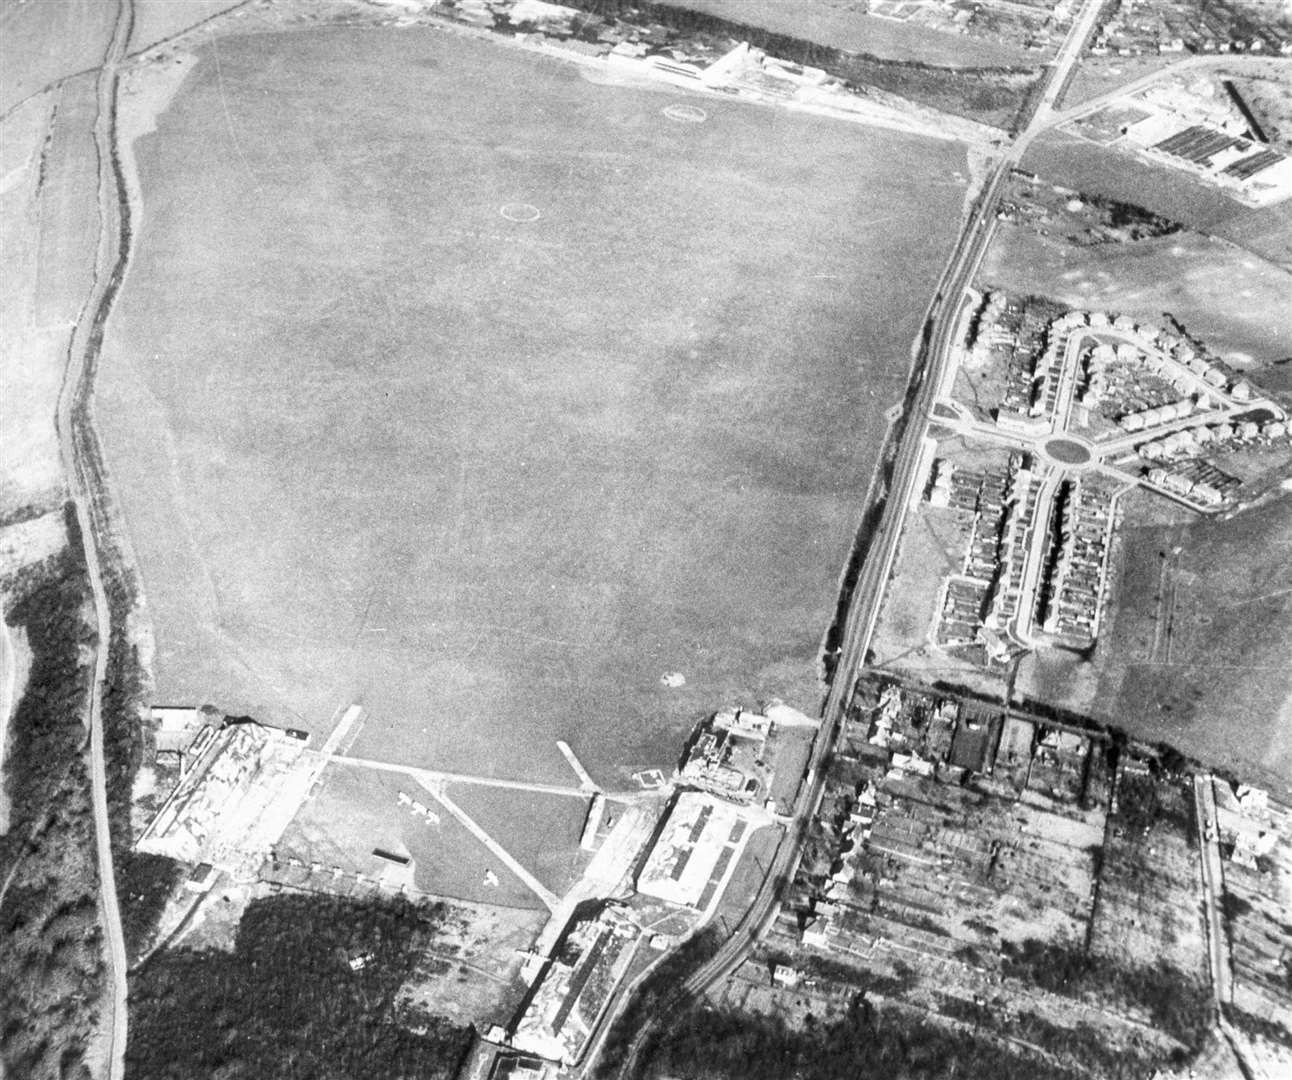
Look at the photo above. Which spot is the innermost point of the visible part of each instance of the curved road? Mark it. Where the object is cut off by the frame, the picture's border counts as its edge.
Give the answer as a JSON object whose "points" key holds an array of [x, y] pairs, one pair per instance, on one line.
{"points": [[78, 448]]}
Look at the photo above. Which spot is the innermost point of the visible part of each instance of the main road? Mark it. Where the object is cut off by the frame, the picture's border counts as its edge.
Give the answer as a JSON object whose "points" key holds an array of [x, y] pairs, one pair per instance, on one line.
{"points": [[81, 460], [868, 592]]}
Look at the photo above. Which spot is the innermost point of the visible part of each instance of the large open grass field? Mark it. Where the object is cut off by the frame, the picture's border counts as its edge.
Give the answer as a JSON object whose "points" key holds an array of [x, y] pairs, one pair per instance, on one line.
{"points": [[1197, 652], [494, 478]]}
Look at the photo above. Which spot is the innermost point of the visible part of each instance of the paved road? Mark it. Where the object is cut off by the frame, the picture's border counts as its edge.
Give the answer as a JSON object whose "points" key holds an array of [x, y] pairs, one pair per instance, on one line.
{"points": [[868, 593], [78, 448], [1187, 63], [486, 781], [1213, 884]]}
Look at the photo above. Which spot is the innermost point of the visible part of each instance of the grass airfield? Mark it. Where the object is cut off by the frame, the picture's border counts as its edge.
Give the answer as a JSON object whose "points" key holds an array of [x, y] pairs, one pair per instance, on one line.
{"points": [[375, 441]]}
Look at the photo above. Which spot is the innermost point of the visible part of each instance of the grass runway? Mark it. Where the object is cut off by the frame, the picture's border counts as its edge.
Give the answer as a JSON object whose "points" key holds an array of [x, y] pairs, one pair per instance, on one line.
{"points": [[377, 441]]}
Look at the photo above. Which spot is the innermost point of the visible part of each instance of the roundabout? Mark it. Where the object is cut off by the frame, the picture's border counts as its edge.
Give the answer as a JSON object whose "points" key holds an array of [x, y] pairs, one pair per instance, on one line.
{"points": [[1068, 451]]}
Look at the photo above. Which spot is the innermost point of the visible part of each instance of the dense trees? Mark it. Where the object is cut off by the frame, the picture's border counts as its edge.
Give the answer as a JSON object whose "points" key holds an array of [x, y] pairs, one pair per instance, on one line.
{"points": [[1176, 1002], [287, 1002], [50, 949], [707, 1044]]}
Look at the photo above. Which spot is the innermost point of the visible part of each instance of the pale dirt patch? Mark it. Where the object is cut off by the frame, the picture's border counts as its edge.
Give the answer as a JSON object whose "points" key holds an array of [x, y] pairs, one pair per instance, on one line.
{"points": [[30, 377], [471, 973], [31, 357], [214, 925], [147, 89], [30, 541], [16, 656], [23, 131]]}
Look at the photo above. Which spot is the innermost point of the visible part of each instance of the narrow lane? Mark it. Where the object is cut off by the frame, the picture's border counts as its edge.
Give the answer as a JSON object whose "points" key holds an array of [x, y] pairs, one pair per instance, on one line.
{"points": [[82, 467]]}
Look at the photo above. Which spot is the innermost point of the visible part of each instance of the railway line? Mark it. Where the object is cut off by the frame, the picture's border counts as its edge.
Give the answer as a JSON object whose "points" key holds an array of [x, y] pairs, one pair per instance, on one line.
{"points": [[868, 592]]}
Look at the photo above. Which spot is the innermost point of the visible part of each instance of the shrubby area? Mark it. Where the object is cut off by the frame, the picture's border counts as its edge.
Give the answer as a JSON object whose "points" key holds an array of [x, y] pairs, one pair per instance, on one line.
{"points": [[144, 882], [287, 1002], [50, 940], [659, 990], [1143, 801], [723, 1045], [1177, 1003]]}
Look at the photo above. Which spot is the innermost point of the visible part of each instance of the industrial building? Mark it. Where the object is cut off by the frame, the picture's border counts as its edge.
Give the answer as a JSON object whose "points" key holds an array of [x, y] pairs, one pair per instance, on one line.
{"points": [[575, 988], [726, 757], [700, 838], [243, 783]]}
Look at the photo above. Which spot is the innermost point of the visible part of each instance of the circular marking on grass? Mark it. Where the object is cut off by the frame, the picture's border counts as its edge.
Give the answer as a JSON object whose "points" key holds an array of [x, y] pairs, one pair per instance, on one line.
{"points": [[1069, 451], [519, 211], [686, 114]]}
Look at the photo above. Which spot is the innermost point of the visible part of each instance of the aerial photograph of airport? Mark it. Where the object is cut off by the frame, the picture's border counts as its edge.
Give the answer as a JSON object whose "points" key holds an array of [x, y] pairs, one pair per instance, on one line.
{"points": [[646, 539]]}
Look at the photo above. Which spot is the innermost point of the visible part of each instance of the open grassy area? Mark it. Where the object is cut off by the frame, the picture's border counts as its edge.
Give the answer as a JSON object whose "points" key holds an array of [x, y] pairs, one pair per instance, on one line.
{"points": [[1228, 298], [358, 810], [376, 441], [540, 831], [1213, 679], [1077, 163]]}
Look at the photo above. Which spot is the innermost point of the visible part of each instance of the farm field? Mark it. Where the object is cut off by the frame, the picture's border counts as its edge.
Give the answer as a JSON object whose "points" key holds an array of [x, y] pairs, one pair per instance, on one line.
{"points": [[1197, 651], [42, 43], [29, 58], [49, 228], [494, 478], [1230, 299], [159, 20]]}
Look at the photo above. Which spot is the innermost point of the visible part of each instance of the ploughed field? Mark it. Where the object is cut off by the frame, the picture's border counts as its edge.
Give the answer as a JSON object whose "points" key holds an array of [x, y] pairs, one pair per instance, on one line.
{"points": [[494, 478]]}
